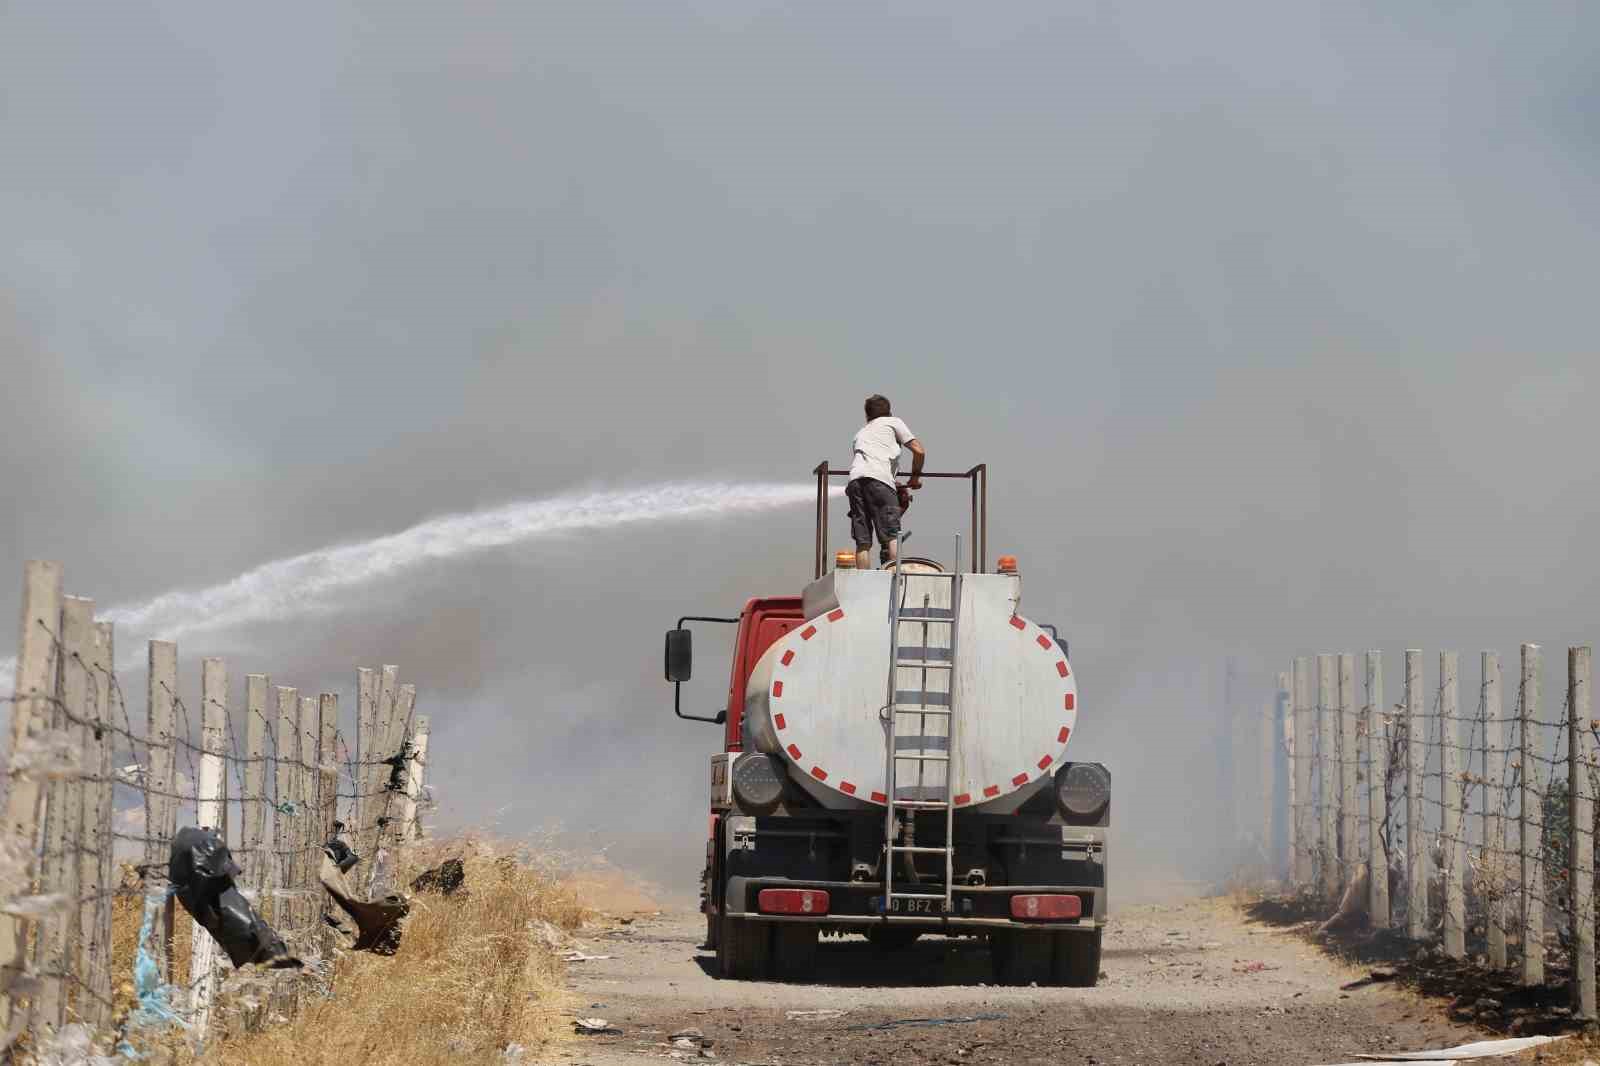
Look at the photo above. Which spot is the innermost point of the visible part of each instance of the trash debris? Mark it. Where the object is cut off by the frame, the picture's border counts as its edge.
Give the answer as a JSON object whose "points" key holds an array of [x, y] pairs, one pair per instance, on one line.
{"points": [[443, 879], [690, 1038], [1253, 966], [49, 756], [377, 924], [154, 998], [1482, 1049], [578, 956], [917, 1023], [594, 1027], [1352, 909], [341, 854], [72, 1046], [818, 1015], [1373, 978], [201, 870]]}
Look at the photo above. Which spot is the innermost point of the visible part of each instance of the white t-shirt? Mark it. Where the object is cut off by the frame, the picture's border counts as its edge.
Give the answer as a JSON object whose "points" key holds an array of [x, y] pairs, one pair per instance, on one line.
{"points": [[877, 449]]}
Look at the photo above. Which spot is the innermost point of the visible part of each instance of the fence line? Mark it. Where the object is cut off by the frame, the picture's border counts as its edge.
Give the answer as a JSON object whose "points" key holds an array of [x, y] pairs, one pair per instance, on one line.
{"points": [[1473, 823], [86, 789]]}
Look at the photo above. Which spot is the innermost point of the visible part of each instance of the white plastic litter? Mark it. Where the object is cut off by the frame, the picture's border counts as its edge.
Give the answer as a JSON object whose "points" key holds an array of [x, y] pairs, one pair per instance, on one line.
{"points": [[1482, 1049]]}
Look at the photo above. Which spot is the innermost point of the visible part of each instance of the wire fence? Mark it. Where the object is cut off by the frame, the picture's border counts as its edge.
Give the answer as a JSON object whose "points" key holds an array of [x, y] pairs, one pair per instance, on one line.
{"points": [[90, 941], [1464, 822]]}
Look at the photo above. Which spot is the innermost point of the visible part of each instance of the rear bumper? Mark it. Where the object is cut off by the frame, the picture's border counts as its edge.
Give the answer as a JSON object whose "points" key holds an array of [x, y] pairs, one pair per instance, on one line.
{"points": [[859, 904]]}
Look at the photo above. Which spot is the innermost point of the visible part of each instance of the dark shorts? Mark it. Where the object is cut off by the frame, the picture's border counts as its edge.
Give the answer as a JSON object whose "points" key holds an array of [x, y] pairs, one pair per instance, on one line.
{"points": [[874, 506]]}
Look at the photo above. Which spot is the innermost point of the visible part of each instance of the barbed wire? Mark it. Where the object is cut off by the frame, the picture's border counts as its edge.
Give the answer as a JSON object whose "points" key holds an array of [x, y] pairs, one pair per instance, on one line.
{"points": [[115, 792]]}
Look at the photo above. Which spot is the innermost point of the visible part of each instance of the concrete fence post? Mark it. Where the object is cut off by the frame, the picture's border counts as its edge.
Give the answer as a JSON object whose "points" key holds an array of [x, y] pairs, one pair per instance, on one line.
{"points": [[1377, 801], [60, 950], [1452, 832], [30, 716], [1328, 776], [1302, 758], [1416, 756], [210, 806], [1580, 796], [161, 807], [1531, 908], [374, 751], [285, 783], [1349, 763], [99, 844], [308, 816], [1495, 797], [327, 804], [1274, 781], [253, 804], [411, 828], [366, 715]]}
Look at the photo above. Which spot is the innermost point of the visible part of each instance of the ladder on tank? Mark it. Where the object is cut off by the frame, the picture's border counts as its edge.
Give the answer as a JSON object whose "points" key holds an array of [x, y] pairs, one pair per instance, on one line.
{"points": [[930, 659]]}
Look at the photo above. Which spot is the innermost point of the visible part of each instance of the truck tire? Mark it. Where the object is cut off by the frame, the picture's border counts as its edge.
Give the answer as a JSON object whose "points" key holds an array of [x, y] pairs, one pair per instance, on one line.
{"points": [[893, 937], [744, 949], [794, 951], [1022, 956], [1077, 959], [707, 907]]}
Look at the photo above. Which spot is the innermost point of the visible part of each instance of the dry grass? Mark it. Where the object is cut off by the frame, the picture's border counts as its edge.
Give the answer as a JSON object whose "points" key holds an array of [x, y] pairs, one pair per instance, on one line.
{"points": [[473, 976]]}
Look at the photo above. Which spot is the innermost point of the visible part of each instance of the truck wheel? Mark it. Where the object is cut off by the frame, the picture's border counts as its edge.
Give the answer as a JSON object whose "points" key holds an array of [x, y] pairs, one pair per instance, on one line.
{"points": [[744, 949], [1077, 959], [1021, 956], [713, 920], [794, 951], [893, 937]]}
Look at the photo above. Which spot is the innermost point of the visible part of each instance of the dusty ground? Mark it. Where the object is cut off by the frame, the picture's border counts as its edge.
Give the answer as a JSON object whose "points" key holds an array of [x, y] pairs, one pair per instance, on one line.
{"points": [[1194, 983]]}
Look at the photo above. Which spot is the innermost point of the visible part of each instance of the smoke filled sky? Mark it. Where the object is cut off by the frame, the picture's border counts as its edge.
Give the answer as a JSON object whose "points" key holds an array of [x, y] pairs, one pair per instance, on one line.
{"points": [[1274, 321]]}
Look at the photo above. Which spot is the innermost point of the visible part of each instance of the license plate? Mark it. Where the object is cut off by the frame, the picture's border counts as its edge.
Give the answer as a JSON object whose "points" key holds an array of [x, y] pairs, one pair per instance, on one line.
{"points": [[916, 906]]}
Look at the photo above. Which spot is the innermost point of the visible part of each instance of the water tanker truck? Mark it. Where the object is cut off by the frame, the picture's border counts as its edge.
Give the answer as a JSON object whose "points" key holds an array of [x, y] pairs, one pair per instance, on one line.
{"points": [[894, 762]]}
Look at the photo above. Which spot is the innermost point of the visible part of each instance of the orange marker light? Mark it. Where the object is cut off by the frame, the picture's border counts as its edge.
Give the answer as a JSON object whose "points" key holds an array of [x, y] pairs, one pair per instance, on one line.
{"points": [[1007, 564], [844, 560]]}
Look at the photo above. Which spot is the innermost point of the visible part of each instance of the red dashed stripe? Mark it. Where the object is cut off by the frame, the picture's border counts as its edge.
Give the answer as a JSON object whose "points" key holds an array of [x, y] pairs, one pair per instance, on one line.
{"points": [[1061, 667], [819, 773], [1061, 737], [1045, 762], [777, 689], [788, 657], [778, 721], [1071, 700], [1020, 779], [794, 751], [834, 616], [1044, 642], [963, 799], [991, 791], [879, 797], [847, 788], [1018, 623], [808, 632]]}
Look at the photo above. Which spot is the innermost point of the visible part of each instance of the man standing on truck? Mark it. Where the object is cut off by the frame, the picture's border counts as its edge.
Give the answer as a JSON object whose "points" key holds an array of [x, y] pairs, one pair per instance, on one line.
{"points": [[874, 497]]}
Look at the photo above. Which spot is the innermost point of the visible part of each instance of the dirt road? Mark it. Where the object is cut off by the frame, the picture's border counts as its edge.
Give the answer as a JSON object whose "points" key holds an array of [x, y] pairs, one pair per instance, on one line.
{"points": [[1194, 983]]}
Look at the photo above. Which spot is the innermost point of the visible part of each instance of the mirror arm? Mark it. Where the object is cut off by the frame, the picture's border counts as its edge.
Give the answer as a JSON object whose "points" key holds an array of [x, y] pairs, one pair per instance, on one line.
{"points": [[677, 686], [677, 708]]}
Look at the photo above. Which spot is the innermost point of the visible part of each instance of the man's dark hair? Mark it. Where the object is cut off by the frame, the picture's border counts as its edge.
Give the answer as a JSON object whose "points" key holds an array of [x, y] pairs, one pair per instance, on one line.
{"points": [[877, 407]]}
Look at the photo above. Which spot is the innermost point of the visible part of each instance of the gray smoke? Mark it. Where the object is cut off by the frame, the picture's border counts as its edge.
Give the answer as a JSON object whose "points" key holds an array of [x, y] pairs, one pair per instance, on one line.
{"points": [[1271, 320]]}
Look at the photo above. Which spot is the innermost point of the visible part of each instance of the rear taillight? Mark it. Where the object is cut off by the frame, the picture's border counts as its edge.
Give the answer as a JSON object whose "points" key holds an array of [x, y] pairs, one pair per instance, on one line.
{"points": [[792, 901], [1046, 908]]}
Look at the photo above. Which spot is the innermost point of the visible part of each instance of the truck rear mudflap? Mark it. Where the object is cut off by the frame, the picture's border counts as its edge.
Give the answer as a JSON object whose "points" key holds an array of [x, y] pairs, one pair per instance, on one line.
{"points": [[973, 908]]}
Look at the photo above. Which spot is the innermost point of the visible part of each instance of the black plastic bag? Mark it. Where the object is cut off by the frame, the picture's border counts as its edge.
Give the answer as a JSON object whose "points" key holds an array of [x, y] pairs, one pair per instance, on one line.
{"points": [[202, 870]]}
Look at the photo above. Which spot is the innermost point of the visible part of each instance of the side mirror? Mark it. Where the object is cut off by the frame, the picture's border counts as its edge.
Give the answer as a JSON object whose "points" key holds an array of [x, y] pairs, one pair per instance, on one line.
{"points": [[679, 655]]}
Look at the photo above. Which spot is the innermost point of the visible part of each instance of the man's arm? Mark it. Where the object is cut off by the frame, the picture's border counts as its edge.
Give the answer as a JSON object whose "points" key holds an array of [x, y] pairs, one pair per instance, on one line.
{"points": [[919, 455]]}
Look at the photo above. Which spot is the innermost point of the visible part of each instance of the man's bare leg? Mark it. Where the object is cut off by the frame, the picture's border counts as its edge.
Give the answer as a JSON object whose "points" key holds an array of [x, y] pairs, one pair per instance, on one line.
{"points": [[893, 549], [864, 558]]}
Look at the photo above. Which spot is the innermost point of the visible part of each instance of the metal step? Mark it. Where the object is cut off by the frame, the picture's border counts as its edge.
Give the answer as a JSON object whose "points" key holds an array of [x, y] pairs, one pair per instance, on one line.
{"points": [[927, 614], [921, 805], [914, 895], [922, 664], [913, 850], [898, 757], [901, 708]]}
